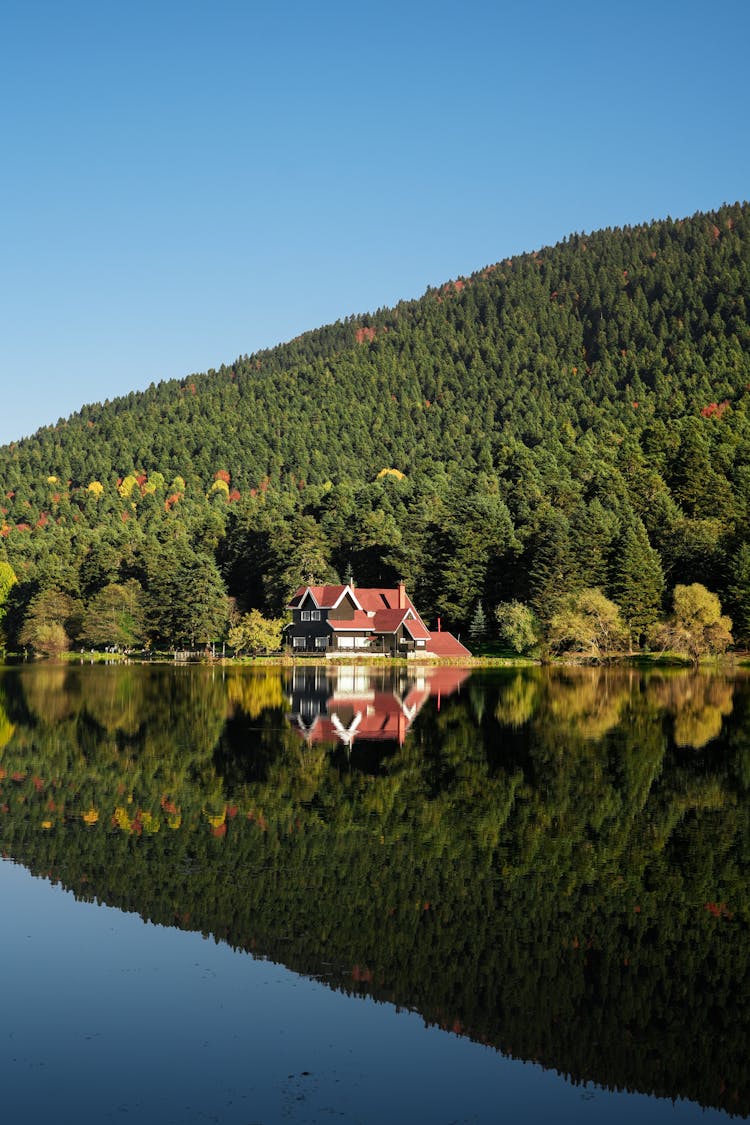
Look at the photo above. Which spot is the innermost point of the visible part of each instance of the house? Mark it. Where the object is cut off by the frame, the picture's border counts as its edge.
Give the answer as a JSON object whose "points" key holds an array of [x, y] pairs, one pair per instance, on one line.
{"points": [[358, 621]]}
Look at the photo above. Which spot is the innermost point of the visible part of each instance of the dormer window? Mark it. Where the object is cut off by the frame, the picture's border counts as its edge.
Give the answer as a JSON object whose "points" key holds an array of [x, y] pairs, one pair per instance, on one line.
{"points": [[310, 615]]}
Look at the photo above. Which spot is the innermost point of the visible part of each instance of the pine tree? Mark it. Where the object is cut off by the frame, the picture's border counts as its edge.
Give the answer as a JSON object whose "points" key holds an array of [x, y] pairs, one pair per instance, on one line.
{"points": [[638, 581], [554, 569], [478, 625], [739, 592]]}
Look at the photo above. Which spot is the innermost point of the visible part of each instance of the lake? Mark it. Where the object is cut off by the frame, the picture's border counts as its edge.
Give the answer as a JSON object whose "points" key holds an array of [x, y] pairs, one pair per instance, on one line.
{"points": [[312, 894]]}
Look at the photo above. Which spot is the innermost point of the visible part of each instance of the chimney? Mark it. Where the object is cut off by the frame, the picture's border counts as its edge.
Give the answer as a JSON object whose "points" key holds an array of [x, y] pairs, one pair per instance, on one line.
{"points": [[402, 595], [438, 624]]}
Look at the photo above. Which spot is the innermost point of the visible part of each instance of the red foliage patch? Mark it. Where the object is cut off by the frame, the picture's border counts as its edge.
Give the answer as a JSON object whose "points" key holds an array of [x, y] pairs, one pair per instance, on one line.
{"points": [[222, 474], [363, 334], [23, 527], [718, 909], [714, 409], [234, 495], [219, 831]]}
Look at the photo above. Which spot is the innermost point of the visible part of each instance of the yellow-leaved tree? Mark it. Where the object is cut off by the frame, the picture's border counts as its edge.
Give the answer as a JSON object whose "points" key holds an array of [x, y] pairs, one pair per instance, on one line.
{"points": [[697, 626]]}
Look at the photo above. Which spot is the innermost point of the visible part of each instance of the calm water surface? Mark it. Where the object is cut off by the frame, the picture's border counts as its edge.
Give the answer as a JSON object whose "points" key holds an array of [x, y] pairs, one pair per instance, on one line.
{"points": [[256, 896]]}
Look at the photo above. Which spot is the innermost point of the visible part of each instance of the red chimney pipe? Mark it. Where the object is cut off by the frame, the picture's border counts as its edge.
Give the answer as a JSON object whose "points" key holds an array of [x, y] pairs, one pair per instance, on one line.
{"points": [[439, 625]]}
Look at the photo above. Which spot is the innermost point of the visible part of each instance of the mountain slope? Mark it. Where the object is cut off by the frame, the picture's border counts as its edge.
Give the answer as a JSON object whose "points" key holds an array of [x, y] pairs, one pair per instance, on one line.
{"points": [[589, 385]]}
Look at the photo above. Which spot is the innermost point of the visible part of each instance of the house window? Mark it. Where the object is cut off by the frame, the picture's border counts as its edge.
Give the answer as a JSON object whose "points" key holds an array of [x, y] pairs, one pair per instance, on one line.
{"points": [[321, 642], [361, 642], [346, 642], [298, 642], [310, 615]]}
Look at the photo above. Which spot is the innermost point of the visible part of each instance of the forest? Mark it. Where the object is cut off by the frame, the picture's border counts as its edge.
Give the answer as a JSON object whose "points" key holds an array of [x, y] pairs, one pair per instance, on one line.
{"points": [[574, 421]]}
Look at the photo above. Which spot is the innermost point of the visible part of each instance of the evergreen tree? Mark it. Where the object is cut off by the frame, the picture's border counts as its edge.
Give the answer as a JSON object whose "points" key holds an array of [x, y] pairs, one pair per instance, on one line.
{"points": [[478, 625], [554, 569], [638, 581], [186, 604], [739, 592]]}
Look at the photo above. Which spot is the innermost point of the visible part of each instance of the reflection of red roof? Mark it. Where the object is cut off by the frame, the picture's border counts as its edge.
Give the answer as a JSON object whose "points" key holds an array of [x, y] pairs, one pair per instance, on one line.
{"points": [[384, 702], [381, 718], [375, 714], [415, 699], [445, 679], [445, 644]]}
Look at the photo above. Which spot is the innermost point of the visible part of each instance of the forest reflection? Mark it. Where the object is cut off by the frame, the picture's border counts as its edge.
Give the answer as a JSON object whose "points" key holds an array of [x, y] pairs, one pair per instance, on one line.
{"points": [[554, 863]]}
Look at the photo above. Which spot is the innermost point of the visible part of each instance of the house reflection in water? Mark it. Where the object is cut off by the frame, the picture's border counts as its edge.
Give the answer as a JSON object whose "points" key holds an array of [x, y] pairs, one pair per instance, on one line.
{"points": [[351, 703]]}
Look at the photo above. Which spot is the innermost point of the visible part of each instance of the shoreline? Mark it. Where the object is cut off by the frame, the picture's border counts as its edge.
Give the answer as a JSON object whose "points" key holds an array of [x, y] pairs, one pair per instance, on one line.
{"points": [[641, 661]]}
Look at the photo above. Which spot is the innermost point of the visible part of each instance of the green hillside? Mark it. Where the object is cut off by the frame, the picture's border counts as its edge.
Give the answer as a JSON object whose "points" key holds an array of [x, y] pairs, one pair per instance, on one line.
{"points": [[564, 419]]}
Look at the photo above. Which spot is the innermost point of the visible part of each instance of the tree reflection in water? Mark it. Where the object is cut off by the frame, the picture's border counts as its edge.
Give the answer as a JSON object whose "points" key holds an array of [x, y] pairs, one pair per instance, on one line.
{"points": [[553, 864]]}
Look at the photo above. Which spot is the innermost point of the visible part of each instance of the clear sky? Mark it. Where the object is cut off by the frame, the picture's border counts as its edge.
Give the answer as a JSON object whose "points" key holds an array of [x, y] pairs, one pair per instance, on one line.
{"points": [[183, 182]]}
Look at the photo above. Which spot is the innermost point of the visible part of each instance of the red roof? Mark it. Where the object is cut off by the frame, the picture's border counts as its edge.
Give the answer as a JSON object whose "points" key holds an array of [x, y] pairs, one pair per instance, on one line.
{"points": [[358, 620], [325, 597], [382, 601], [375, 598], [445, 644]]}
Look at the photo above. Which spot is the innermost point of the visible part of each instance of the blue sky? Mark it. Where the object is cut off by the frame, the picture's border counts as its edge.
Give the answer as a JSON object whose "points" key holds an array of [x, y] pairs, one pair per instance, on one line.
{"points": [[182, 182]]}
